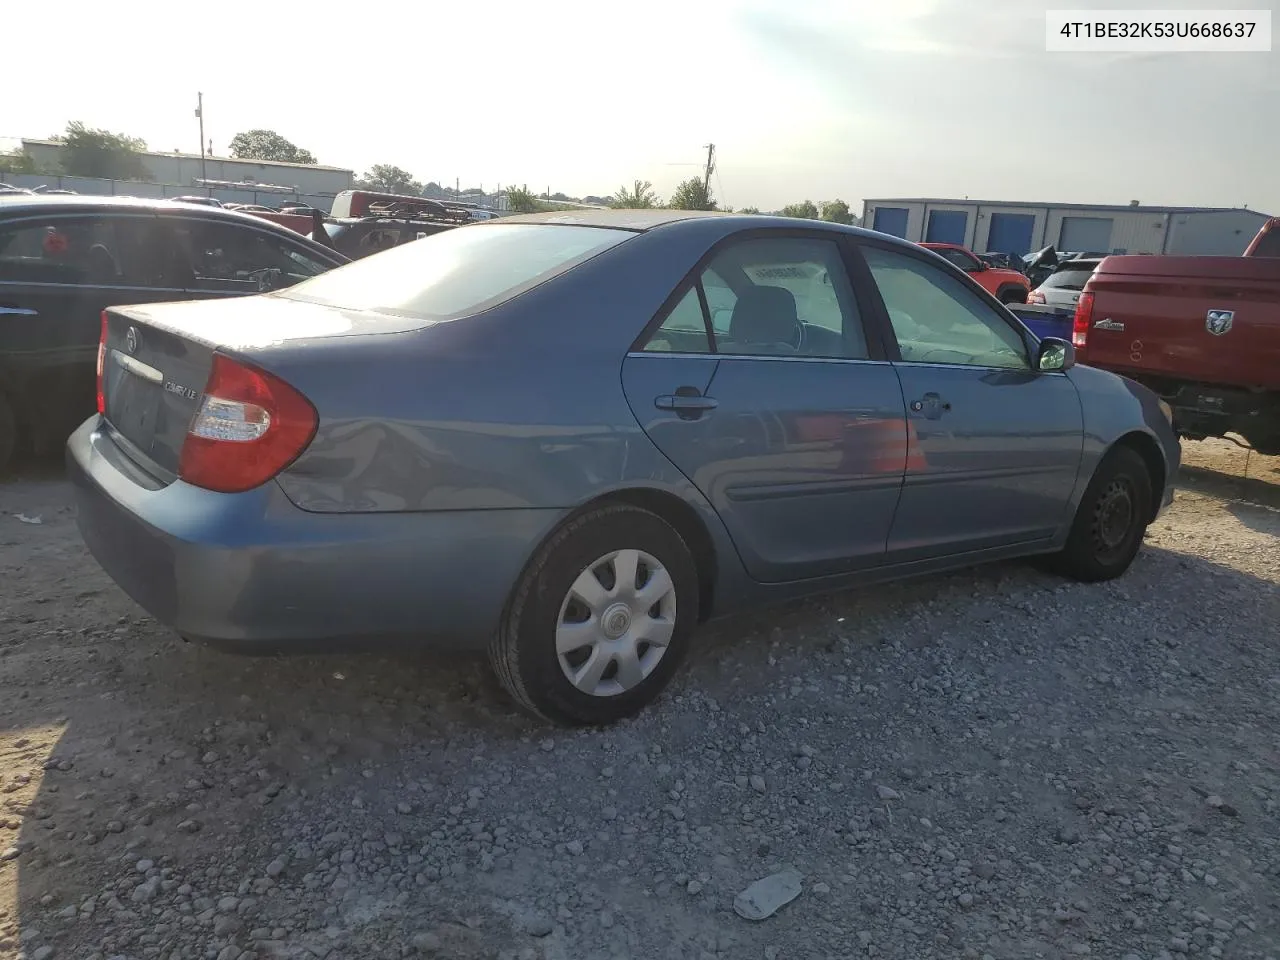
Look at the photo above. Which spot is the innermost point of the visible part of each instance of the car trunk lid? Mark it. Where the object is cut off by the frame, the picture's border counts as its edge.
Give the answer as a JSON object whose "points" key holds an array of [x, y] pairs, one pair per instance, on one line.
{"points": [[157, 359]]}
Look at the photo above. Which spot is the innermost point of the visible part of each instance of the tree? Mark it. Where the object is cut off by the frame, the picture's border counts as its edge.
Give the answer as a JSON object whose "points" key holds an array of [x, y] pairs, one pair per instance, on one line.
{"points": [[836, 211], [806, 210], [751, 210], [267, 145], [522, 200], [87, 152], [692, 194], [17, 161], [390, 179], [639, 196]]}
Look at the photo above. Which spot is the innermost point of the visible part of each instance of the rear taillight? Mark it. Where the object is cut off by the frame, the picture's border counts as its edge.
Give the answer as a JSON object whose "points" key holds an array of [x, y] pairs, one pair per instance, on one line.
{"points": [[250, 426], [1035, 296], [1080, 324], [102, 356]]}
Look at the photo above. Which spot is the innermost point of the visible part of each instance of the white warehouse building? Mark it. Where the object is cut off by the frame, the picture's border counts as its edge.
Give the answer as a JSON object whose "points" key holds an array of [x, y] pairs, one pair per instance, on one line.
{"points": [[998, 226]]}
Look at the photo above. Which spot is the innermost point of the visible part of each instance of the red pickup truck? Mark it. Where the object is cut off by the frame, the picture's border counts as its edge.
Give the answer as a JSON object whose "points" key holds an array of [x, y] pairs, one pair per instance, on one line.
{"points": [[1203, 332]]}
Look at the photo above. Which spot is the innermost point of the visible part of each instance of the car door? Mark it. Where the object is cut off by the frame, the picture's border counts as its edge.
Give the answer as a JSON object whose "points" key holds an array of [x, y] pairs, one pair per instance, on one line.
{"points": [[58, 272], [224, 258], [778, 407], [996, 445]]}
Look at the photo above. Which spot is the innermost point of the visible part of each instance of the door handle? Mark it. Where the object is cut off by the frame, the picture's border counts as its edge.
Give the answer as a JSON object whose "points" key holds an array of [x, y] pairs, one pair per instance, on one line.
{"points": [[18, 312], [691, 404]]}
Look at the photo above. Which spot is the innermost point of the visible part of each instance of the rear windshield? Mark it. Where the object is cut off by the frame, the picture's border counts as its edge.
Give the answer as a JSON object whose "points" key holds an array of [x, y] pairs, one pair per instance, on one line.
{"points": [[1269, 245], [1070, 278], [459, 271]]}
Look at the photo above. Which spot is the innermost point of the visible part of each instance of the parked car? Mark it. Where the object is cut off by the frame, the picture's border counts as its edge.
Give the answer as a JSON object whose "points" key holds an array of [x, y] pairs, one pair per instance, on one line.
{"points": [[1203, 332], [63, 259], [205, 201], [1063, 286], [1007, 286], [533, 436], [362, 222]]}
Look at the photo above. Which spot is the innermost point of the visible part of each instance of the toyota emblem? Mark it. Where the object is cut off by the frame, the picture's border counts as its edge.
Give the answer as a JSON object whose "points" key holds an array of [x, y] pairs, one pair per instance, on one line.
{"points": [[131, 339]]}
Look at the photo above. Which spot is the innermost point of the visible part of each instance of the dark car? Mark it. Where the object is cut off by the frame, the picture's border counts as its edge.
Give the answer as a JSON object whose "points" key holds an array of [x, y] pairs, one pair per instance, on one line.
{"points": [[363, 222], [64, 259], [569, 438]]}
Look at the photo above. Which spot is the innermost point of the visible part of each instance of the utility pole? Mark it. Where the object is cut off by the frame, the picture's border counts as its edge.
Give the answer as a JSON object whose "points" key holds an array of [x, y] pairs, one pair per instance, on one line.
{"points": [[711, 165], [200, 116]]}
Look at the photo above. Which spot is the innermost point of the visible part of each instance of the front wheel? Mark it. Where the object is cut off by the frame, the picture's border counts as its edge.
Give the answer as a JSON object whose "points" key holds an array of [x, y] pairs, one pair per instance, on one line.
{"points": [[1111, 520], [600, 620]]}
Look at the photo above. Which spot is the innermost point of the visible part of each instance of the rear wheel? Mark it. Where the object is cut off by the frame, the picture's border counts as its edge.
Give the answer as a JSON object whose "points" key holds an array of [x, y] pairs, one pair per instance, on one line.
{"points": [[600, 620], [1111, 520]]}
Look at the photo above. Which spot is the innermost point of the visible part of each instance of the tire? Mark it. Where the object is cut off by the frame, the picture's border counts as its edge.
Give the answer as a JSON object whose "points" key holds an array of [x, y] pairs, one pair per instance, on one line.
{"points": [[534, 665], [8, 436], [1111, 520]]}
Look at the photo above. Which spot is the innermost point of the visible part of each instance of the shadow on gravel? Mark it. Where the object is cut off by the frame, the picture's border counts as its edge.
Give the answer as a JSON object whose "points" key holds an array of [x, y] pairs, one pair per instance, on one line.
{"points": [[139, 746], [1249, 489]]}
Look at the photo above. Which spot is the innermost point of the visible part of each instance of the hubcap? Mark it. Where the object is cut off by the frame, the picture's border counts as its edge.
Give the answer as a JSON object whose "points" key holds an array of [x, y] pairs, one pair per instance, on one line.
{"points": [[616, 623]]}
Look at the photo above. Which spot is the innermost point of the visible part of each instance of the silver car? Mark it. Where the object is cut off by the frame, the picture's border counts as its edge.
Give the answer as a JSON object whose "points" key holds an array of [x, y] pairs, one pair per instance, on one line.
{"points": [[1062, 288]]}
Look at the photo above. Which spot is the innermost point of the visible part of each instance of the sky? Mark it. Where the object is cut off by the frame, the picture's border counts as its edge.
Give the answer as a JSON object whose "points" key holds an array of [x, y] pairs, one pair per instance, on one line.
{"points": [[804, 99]]}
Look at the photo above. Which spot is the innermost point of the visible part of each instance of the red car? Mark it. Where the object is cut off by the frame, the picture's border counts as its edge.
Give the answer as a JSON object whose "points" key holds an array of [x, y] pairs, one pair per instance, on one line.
{"points": [[1007, 286]]}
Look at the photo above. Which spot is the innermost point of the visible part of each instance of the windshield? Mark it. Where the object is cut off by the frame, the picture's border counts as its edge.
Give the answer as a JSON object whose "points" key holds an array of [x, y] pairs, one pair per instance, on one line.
{"points": [[458, 272]]}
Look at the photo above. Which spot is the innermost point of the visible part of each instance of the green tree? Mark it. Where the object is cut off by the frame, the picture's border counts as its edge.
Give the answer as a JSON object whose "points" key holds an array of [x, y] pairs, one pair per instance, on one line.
{"points": [[639, 196], [17, 161], [267, 145], [692, 194], [751, 210], [522, 200], [390, 179], [804, 211], [836, 211], [87, 152]]}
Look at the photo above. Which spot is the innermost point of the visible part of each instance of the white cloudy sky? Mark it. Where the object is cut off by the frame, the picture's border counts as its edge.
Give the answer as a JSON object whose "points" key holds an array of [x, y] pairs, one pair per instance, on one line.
{"points": [[803, 98]]}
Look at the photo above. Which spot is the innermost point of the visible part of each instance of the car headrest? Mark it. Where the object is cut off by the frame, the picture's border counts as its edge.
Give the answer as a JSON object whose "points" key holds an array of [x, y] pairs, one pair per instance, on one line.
{"points": [[764, 315]]}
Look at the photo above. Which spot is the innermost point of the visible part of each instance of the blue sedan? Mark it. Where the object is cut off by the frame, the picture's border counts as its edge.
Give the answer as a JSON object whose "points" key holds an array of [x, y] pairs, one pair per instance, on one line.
{"points": [[570, 439]]}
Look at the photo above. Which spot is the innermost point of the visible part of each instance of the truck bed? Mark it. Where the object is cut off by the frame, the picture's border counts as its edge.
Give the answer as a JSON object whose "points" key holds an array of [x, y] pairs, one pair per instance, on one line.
{"points": [[1211, 320]]}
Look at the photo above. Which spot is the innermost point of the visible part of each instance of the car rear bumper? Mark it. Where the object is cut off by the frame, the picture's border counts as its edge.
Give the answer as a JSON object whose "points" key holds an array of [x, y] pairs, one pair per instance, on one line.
{"points": [[254, 572]]}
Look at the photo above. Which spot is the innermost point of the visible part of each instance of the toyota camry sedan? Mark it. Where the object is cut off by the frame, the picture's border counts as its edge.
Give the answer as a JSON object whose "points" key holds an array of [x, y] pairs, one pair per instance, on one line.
{"points": [[568, 440]]}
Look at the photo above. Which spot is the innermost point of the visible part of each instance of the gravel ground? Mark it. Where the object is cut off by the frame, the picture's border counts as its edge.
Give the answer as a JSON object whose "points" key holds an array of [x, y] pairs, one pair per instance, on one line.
{"points": [[989, 764]]}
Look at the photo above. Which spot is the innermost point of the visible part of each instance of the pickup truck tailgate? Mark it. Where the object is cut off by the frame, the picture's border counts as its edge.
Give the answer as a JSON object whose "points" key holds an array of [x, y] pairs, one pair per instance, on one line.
{"points": [[1206, 319]]}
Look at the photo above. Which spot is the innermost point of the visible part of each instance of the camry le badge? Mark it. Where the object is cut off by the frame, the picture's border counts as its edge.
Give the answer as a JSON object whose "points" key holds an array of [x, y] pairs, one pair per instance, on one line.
{"points": [[1218, 322], [131, 339]]}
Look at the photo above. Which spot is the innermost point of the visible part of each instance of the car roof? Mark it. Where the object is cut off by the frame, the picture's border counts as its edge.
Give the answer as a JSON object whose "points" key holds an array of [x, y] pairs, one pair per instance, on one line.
{"points": [[79, 203], [714, 221]]}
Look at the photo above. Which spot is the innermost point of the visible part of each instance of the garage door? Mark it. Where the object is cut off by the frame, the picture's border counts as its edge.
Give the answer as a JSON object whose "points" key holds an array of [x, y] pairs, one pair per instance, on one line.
{"points": [[946, 226], [1085, 234], [1010, 233], [891, 220]]}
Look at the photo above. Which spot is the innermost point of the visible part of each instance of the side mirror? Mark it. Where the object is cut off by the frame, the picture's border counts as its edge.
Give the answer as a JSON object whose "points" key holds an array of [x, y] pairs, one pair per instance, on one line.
{"points": [[1055, 355]]}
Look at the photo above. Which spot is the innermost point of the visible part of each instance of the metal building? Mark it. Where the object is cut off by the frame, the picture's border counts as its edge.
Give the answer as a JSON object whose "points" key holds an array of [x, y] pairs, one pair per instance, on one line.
{"points": [[185, 168], [998, 226]]}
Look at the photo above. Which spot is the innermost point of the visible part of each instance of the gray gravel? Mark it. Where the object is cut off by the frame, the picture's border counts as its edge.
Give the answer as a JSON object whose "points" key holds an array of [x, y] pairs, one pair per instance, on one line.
{"points": [[991, 764]]}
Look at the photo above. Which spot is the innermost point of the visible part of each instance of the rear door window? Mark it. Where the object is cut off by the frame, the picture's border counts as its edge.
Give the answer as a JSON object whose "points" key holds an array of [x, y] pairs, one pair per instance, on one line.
{"points": [[112, 251], [230, 258]]}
